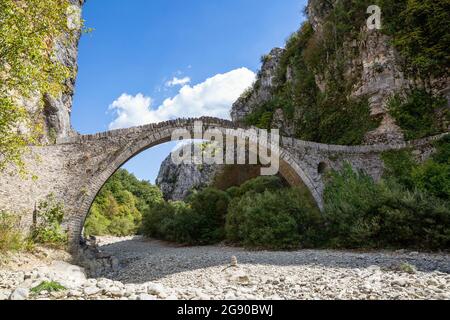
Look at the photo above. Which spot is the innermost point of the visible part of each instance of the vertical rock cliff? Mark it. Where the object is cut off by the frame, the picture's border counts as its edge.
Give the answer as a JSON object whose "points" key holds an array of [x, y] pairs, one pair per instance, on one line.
{"points": [[178, 181], [356, 66], [56, 112]]}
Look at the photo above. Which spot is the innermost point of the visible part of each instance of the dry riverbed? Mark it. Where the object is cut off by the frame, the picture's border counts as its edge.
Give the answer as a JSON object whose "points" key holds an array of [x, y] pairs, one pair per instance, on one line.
{"points": [[156, 270]]}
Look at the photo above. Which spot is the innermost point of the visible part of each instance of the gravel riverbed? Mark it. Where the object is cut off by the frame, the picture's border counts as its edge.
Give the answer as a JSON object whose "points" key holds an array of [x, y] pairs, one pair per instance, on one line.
{"points": [[152, 269]]}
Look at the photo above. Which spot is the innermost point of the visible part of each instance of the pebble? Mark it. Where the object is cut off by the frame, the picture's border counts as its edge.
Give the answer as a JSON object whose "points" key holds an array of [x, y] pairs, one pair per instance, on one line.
{"points": [[146, 297], [92, 291], [156, 289], [20, 294]]}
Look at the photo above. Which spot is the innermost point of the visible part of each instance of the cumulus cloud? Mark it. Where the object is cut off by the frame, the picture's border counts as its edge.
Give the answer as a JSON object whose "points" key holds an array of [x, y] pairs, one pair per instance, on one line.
{"points": [[178, 82], [213, 97], [131, 111]]}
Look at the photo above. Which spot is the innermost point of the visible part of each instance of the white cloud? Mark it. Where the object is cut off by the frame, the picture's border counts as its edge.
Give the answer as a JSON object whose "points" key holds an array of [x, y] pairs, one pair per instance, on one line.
{"points": [[213, 97], [178, 82], [131, 110]]}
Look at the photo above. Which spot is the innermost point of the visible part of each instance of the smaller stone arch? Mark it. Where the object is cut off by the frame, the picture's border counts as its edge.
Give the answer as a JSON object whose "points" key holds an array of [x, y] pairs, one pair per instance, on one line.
{"points": [[323, 168]]}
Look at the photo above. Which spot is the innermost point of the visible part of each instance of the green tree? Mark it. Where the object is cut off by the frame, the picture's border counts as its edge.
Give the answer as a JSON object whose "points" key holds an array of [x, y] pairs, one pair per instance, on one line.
{"points": [[361, 213], [262, 220], [420, 32], [28, 32], [351, 201], [257, 185], [432, 176], [420, 114], [120, 205], [211, 207]]}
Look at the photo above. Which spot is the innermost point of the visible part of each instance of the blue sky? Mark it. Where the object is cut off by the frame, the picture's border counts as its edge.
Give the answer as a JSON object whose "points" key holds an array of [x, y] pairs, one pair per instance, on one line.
{"points": [[148, 61]]}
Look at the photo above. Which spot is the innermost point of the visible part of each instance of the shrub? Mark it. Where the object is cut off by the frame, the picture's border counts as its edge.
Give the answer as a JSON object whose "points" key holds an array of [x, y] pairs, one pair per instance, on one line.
{"points": [[96, 224], [122, 226], [433, 178], [273, 220], [259, 185], [420, 114], [442, 154], [351, 199], [285, 219], [183, 228], [11, 239], [257, 221], [434, 175], [172, 221], [199, 221], [210, 207], [399, 166], [49, 217], [363, 214], [156, 218], [310, 221], [234, 192], [408, 268], [414, 219]]}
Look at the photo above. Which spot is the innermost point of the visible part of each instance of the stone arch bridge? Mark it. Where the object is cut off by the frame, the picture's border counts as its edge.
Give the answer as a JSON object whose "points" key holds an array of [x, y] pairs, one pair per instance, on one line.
{"points": [[75, 168]]}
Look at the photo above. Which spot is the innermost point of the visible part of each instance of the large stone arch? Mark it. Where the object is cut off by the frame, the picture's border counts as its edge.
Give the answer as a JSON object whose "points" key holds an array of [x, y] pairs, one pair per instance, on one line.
{"points": [[151, 136], [75, 168]]}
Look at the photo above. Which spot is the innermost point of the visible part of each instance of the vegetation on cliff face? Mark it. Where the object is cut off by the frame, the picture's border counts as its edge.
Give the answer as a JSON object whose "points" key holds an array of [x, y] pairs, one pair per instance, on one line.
{"points": [[420, 114], [328, 114], [316, 76], [420, 33], [28, 30]]}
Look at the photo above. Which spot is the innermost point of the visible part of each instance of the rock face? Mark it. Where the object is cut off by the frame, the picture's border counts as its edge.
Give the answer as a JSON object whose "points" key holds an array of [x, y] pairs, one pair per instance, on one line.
{"points": [[377, 67], [317, 11], [57, 110], [177, 181], [261, 93]]}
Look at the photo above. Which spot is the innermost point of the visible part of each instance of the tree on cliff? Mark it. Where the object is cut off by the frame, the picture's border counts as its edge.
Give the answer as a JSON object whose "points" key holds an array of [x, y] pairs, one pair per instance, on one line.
{"points": [[28, 68]]}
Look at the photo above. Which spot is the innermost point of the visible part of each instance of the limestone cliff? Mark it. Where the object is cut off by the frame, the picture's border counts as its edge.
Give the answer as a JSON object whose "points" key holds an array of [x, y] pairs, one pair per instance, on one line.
{"points": [[55, 115], [368, 62], [262, 93], [178, 181]]}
